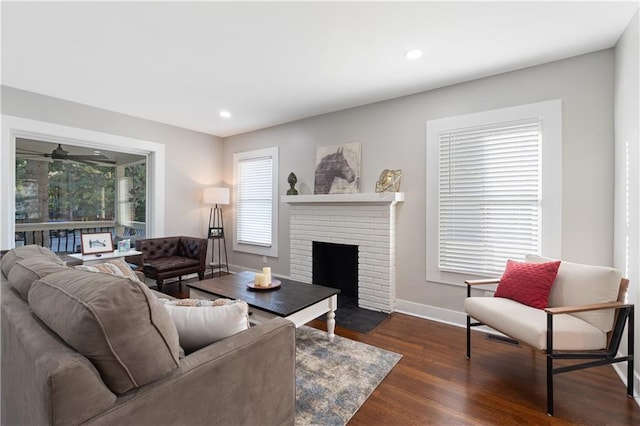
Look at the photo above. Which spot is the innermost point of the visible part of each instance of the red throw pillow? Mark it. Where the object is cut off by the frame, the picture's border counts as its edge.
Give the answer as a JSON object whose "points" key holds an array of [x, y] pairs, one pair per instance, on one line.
{"points": [[528, 283]]}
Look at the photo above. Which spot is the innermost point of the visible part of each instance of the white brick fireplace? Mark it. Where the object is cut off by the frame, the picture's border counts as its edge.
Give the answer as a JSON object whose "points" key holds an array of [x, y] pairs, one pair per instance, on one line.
{"points": [[366, 220]]}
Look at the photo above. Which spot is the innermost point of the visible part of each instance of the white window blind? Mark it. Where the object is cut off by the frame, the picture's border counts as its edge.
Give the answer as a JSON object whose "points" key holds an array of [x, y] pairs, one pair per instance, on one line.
{"points": [[489, 196], [254, 202]]}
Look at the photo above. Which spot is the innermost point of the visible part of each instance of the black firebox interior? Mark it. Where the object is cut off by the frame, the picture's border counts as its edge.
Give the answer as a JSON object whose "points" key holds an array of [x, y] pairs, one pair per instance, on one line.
{"points": [[336, 265]]}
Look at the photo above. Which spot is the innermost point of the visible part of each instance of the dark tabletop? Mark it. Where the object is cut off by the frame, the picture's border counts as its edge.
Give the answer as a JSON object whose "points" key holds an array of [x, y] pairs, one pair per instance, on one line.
{"points": [[289, 298]]}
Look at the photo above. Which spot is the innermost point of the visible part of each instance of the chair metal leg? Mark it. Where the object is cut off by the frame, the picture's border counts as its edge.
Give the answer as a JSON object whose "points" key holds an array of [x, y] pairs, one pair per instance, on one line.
{"points": [[468, 337], [468, 327], [549, 386], [549, 364], [630, 351]]}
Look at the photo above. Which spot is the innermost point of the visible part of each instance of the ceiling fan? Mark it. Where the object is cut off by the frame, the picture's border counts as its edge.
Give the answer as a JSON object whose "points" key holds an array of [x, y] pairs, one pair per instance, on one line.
{"points": [[61, 154]]}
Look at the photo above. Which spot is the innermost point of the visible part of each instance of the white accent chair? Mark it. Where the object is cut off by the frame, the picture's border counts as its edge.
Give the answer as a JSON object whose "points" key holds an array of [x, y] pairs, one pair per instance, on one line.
{"points": [[585, 319]]}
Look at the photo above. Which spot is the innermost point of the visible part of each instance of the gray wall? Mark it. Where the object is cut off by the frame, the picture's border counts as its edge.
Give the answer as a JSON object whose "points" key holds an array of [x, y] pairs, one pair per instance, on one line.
{"points": [[393, 136], [627, 124], [193, 159]]}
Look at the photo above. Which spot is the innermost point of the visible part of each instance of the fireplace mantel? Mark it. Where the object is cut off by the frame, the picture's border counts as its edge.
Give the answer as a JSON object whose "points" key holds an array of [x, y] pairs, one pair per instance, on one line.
{"points": [[360, 197], [366, 220]]}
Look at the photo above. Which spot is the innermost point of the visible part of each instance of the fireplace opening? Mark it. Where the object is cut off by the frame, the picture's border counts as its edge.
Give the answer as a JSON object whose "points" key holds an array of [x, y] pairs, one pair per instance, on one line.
{"points": [[336, 265]]}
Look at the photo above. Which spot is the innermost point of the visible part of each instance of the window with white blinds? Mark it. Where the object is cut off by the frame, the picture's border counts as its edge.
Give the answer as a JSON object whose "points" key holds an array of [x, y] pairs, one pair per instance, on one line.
{"points": [[490, 196], [493, 190], [256, 204], [254, 201]]}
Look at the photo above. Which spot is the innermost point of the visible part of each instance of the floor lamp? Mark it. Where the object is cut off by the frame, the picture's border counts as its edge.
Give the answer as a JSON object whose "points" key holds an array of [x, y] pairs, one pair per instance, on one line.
{"points": [[217, 197]]}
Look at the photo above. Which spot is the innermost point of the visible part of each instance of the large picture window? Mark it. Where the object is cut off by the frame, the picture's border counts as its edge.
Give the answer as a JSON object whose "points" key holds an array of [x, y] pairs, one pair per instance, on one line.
{"points": [[255, 175], [56, 199], [21, 212], [496, 189]]}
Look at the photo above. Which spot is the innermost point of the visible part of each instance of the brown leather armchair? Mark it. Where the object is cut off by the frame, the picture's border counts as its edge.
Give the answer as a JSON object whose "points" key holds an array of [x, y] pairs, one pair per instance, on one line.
{"points": [[169, 257]]}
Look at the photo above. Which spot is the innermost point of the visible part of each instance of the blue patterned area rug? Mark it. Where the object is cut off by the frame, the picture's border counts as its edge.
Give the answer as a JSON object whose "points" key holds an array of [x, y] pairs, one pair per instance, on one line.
{"points": [[333, 379]]}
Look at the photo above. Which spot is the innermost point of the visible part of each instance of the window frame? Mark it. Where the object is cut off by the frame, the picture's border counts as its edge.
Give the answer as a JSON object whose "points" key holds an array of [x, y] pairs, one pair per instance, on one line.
{"points": [[244, 247], [18, 127], [550, 115]]}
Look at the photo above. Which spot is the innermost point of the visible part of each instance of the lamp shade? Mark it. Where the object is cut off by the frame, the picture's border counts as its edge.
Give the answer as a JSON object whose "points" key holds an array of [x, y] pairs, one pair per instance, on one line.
{"points": [[215, 196]]}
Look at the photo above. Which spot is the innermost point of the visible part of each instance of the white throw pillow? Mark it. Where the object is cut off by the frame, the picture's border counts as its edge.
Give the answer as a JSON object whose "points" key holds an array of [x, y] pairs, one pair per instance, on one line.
{"points": [[202, 322]]}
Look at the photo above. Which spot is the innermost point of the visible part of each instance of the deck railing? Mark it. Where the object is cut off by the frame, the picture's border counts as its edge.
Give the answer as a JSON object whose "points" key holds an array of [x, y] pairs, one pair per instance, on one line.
{"points": [[64, 237]]}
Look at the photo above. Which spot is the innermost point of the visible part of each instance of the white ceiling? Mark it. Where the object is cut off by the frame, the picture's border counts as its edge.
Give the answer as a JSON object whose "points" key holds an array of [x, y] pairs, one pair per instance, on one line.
{"points": [[270, 63]]}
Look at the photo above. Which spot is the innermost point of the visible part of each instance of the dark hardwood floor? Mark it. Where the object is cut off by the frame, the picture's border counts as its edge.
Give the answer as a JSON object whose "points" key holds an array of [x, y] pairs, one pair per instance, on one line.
{"points": [[502, 384], [177, 289]]}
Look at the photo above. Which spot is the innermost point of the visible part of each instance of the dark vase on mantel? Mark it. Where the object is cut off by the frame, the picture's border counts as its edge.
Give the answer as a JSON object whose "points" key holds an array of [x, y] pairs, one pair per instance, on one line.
{"points": [[292, 179]]}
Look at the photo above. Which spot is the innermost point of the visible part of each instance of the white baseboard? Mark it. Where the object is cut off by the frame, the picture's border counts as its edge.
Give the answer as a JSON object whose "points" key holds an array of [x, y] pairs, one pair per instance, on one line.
{"points": [[447, 316], [621, 369]]}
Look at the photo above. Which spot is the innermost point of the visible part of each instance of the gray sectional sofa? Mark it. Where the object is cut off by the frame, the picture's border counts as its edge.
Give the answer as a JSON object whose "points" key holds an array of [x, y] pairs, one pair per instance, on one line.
{"points": [[82, 347]]}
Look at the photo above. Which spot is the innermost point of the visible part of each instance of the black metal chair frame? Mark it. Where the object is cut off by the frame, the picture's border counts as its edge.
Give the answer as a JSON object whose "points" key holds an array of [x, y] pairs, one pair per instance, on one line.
{"points": [[624, 314]]}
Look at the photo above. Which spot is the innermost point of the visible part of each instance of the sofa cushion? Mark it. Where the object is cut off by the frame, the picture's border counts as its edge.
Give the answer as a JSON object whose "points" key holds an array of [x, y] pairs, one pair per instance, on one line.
{"points": [[578, 285], [171, 263], [528, 283], [202, 322], [529, 325], [44, 381], [12, 256], [25, 272], [117, 323], [116, 267]]}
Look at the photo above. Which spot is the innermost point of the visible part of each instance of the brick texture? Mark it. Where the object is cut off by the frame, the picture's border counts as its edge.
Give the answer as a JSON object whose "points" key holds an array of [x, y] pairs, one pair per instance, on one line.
{"points": [[371, 227]]}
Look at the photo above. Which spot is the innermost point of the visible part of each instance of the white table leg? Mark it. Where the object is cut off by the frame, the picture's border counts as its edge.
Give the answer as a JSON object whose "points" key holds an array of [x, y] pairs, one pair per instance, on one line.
{"points": [[331, 315]]}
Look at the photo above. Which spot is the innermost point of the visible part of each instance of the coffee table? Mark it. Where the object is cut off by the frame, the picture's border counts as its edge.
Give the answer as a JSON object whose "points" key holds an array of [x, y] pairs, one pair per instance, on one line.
{"points": [[296, 301]]}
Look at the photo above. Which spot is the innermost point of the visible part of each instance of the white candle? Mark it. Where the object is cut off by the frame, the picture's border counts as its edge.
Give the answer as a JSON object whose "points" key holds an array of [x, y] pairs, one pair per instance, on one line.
{"points": [[266, 271], [259, 280]]}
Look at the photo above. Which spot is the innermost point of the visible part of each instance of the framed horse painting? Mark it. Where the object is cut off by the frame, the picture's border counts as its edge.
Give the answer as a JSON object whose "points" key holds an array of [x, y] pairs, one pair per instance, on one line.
{"points": [[338, 169]]}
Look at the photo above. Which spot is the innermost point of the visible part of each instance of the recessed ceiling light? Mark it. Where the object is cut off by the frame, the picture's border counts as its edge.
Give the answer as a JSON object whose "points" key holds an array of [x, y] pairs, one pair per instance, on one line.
{"points": [[413, 54], [225, 114]]}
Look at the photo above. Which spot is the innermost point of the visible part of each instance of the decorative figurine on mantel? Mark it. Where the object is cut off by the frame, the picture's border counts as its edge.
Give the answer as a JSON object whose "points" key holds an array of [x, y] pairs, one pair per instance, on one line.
{"points": [[389, 181], [292, 179]]}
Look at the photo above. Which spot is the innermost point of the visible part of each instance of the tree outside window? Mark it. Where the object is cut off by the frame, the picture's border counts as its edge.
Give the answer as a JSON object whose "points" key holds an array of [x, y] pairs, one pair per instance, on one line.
{"points": [[63, 191]]}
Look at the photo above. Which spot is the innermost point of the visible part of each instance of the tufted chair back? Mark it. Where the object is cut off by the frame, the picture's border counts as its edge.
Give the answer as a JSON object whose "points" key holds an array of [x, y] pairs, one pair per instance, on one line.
{"points": [[155, 248], [188, 248]]}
